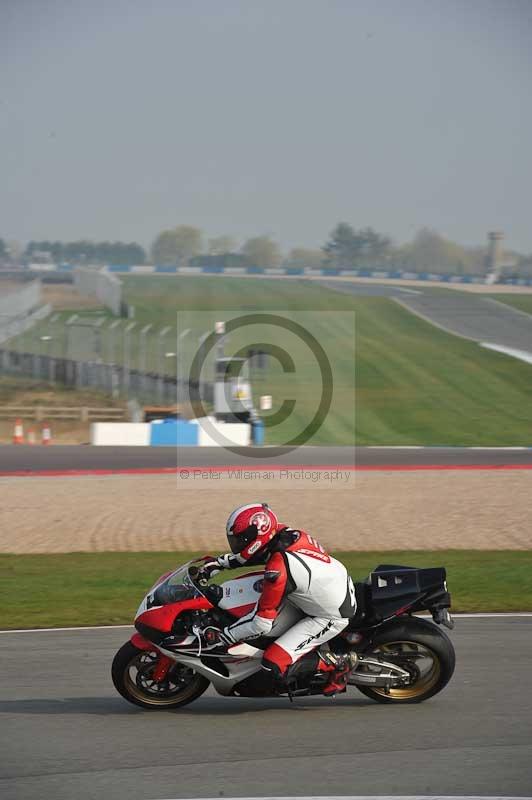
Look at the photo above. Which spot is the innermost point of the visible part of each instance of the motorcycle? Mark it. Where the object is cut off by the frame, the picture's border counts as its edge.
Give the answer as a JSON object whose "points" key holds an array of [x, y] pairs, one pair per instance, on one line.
{"points": [[175, 653]]}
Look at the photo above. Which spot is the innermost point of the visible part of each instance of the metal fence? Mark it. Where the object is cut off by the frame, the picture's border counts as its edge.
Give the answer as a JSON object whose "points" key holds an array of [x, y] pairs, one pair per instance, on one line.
{"points": [[112, 379]]}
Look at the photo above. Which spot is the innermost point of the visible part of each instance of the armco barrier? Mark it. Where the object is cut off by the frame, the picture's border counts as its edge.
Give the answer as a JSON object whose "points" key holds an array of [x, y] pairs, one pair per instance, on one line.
{"points": [[388, 274], [236, 434], [119, 434], [171, 433]]}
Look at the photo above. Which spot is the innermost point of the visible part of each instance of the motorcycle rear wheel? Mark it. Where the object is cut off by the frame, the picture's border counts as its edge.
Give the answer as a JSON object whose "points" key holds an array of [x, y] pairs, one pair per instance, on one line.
{"points": [[422, 649], [131, 673]]}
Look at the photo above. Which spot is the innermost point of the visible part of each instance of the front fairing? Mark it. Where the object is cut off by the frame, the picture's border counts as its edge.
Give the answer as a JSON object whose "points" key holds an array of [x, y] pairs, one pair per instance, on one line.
{"points": [[236, 596]]}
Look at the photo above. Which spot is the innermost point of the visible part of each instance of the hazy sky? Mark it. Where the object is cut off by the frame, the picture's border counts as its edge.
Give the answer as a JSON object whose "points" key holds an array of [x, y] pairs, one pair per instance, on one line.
{"points": [[124, 117]]}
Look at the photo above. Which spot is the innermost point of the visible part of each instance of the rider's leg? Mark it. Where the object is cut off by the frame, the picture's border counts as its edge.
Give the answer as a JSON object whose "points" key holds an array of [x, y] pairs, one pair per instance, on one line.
{"points": [[304, 637], [338, 667], [287, 617]]}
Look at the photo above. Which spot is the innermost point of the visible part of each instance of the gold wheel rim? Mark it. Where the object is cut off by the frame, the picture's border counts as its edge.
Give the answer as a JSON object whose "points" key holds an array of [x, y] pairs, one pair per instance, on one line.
{"points": [[148, 693], [425, 660]]}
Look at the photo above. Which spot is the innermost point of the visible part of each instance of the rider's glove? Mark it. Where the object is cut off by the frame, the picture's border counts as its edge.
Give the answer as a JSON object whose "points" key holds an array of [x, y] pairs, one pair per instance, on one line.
{"points": [[211, 567]]}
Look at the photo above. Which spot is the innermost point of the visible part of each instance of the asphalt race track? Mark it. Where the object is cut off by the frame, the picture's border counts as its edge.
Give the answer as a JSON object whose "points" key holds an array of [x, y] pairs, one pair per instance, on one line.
{"points": [[370, 289], [473, 316], [66, 733], [22, 459]]}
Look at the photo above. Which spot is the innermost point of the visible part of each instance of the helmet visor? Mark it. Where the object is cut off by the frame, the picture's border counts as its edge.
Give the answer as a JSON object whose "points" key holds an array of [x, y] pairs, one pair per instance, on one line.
{"points": [[239, 542]]}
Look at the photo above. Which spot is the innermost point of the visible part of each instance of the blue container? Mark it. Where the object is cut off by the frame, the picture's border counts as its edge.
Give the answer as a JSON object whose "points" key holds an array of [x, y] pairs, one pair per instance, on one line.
{"points": [[171, 433], [257, 432]]}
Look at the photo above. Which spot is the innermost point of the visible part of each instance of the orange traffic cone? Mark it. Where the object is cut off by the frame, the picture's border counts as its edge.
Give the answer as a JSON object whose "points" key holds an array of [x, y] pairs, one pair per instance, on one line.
{"points": [[46, 433], [18, 432], [31, 436]]}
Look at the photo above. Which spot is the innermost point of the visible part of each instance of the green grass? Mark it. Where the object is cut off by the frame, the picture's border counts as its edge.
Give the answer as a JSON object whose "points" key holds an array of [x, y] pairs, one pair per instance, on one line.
{"points": [[106, 588], [523, 302], [415, 384]]}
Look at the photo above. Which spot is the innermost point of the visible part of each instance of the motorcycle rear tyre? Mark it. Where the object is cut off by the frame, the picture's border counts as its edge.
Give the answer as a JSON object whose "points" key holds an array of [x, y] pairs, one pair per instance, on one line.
{"points": [[427, 635]]}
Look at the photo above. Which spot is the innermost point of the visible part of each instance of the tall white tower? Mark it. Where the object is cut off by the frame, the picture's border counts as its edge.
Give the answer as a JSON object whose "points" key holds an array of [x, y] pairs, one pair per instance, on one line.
{"points": [[494, 255]]}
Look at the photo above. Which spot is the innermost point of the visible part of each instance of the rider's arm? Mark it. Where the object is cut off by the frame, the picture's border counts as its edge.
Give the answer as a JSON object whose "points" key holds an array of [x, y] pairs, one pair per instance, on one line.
{"points": [[260, 621]]}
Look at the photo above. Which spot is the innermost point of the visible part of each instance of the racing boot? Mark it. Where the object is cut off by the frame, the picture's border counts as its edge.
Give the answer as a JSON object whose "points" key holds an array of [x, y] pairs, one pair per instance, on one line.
{"points": [[338, 666]]}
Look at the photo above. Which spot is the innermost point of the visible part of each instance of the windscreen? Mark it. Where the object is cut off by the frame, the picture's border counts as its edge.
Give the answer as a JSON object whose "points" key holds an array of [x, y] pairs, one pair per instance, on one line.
{"points": [[176, 587]]}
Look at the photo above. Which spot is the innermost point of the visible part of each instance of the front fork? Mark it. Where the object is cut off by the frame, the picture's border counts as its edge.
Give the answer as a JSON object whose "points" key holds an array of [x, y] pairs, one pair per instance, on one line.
{"points": [[163, 662]]}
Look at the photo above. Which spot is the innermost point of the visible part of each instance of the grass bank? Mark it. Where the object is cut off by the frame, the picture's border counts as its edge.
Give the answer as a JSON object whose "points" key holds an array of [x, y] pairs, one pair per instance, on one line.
{"points": [[405, 382], [106, 588], [523, 302], [398, 381]]}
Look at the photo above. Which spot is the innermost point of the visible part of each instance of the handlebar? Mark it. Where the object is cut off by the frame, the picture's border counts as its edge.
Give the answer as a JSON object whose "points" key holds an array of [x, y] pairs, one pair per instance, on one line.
{"points": [[196, 576]]}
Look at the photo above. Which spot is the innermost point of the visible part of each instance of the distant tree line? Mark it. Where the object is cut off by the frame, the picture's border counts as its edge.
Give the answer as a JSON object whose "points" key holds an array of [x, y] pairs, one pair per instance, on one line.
{"points": [[185, 244], [87, 252], [347, 247]]}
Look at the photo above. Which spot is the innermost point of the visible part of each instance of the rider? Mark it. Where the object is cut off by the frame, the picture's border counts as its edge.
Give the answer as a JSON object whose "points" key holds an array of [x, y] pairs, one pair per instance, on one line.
{"points": [[296, 568]]}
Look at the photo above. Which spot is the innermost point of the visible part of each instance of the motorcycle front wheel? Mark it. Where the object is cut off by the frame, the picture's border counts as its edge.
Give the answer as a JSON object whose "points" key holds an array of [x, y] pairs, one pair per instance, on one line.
{"points": [[132, 674], [420, 648]]}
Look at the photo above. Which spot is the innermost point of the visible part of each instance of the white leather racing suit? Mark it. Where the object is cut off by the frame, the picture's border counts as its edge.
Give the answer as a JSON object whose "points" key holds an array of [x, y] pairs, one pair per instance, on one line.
{"points": [[307, 599]]}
